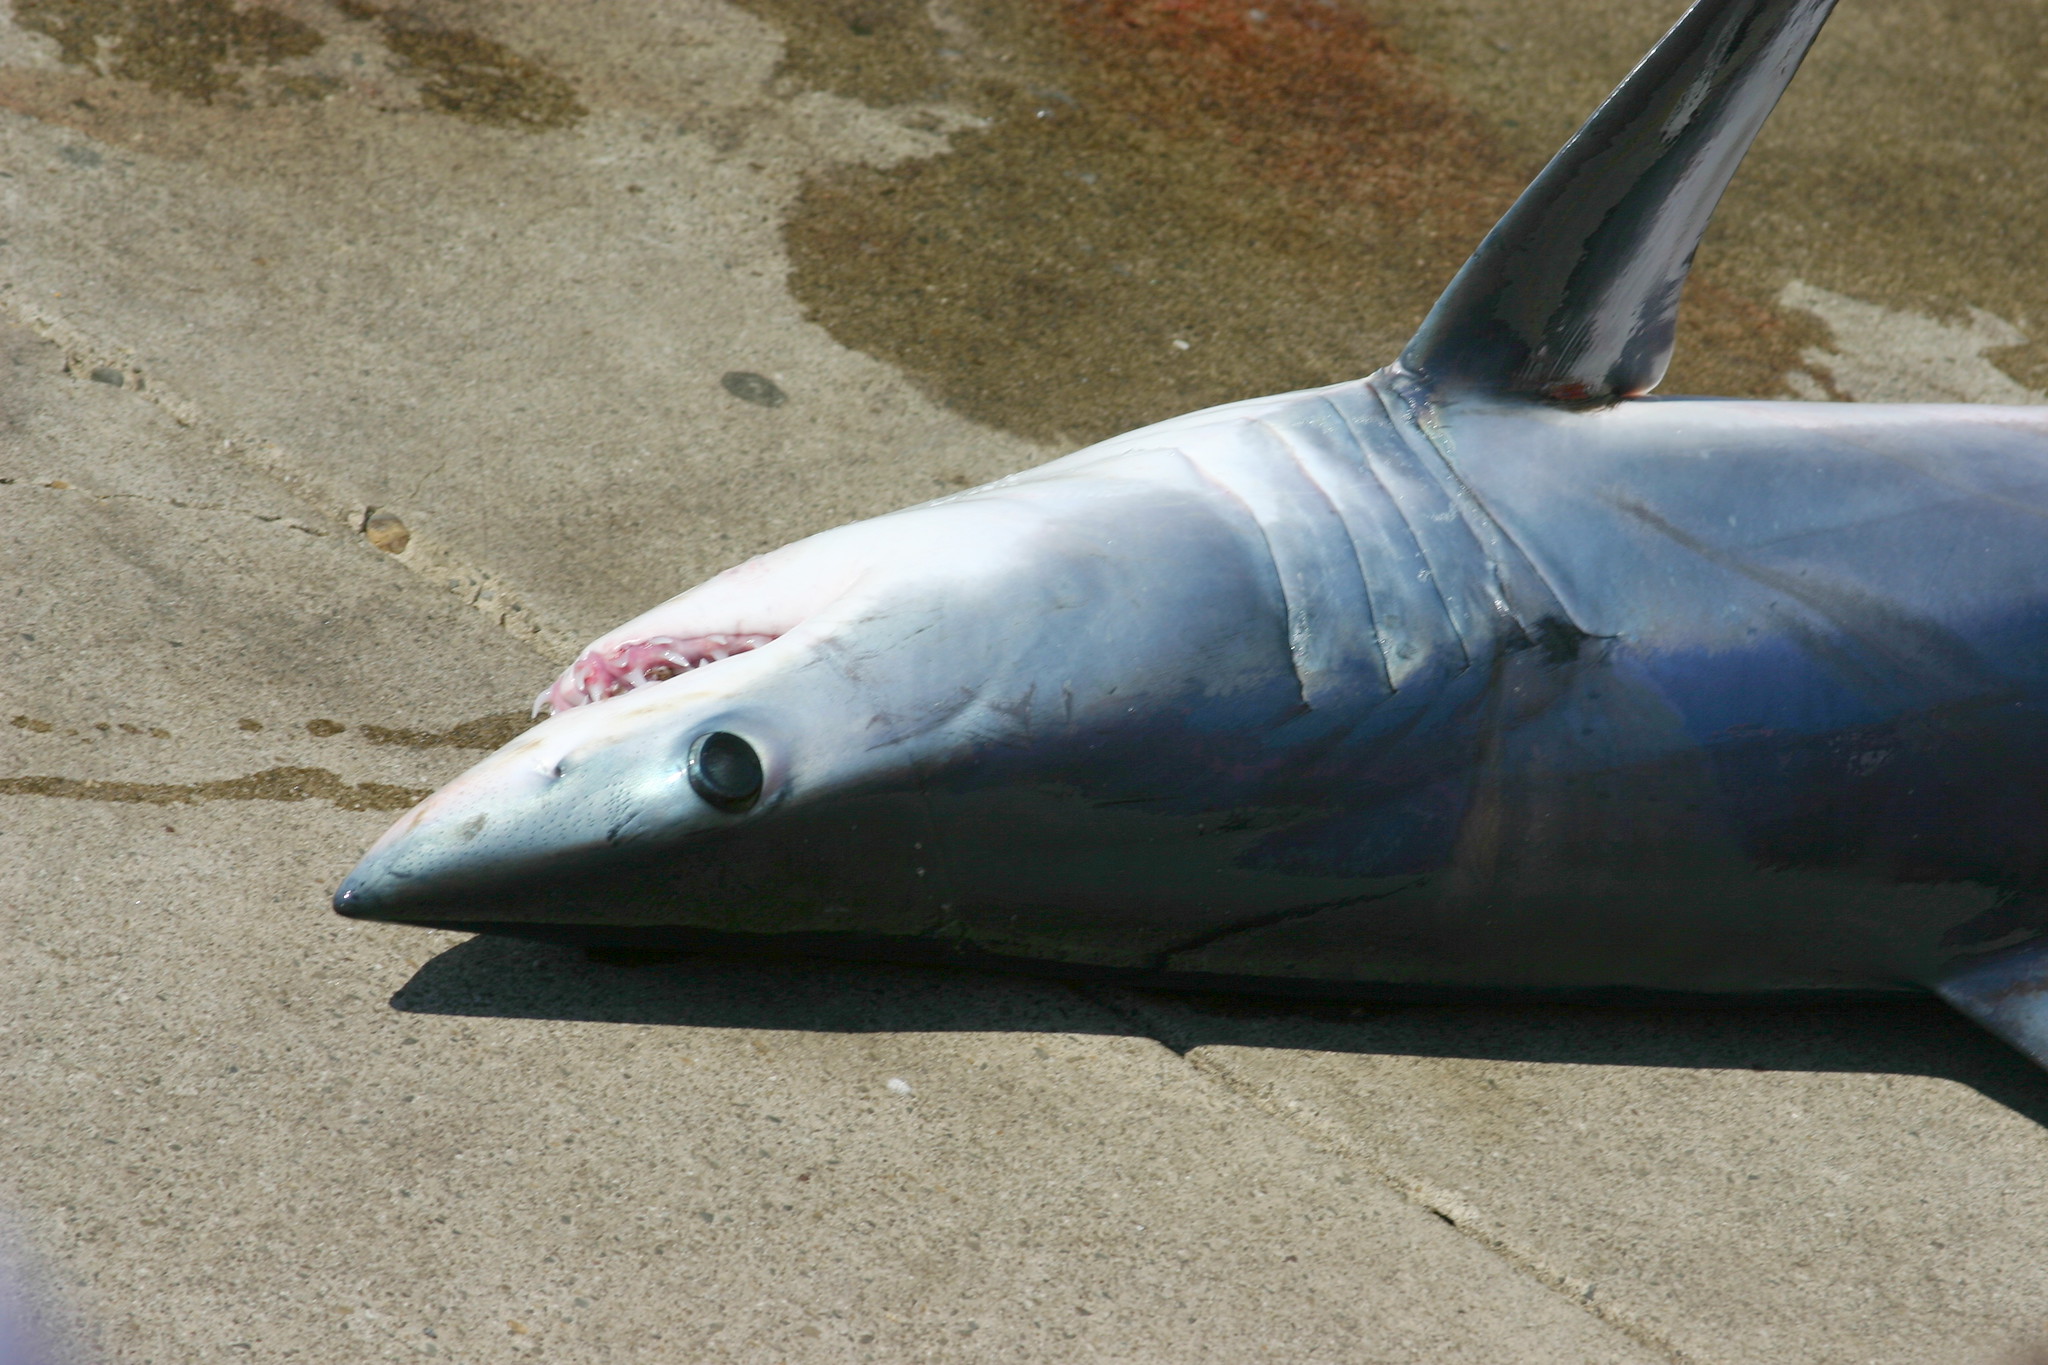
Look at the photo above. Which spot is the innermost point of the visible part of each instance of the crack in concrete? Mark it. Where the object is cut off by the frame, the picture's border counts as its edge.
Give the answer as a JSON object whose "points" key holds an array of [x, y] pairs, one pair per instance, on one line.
{"points": [[1444, 1204], [1447, 1206], [481, 589], [272, 784], [64, 486]]}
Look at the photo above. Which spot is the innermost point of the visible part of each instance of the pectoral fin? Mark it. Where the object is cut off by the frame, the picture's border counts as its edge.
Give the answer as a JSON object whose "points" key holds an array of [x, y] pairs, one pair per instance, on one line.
{"points": [[2007, 993]]}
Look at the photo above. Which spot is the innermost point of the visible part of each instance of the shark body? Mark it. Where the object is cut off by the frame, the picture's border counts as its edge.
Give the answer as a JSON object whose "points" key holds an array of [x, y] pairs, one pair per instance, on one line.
{"points": [[1484, 672]]}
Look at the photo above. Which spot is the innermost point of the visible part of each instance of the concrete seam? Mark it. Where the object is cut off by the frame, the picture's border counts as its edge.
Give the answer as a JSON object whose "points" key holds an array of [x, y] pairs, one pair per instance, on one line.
{"points": [[484, 591], [1451, 1208], [1445, 1204]]}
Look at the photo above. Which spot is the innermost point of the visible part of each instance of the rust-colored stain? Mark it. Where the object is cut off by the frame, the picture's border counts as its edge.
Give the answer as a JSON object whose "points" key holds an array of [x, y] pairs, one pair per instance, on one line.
{"points": [[194, 48], [205, 50], [1176, 203], [272, 784], [1313, 95], [1734, 345]]}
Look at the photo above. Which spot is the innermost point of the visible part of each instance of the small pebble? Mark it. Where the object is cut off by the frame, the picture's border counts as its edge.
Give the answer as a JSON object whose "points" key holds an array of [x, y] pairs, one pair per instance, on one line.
{"points": [[385, 531], [106, 375], [898, 1085], [757, 389], [324, 728]]}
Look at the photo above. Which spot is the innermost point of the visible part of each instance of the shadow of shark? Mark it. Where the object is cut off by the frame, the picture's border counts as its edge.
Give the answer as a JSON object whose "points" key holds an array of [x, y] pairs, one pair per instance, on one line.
{"points": [[1484, 673]]}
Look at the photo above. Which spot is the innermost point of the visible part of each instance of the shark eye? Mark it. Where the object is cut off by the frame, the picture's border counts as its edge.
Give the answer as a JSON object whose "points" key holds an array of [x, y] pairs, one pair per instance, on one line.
{"points": [[724, 770]]}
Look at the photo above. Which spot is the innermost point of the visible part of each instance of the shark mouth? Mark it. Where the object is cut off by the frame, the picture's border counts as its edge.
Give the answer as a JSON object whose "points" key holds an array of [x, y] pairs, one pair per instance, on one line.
{"points": [[617, 669]]}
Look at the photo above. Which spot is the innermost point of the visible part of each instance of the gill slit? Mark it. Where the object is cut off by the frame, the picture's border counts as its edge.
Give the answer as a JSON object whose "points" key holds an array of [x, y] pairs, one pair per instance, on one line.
{"points": [[1415, 538], [1287, 602], [1522, 593]]}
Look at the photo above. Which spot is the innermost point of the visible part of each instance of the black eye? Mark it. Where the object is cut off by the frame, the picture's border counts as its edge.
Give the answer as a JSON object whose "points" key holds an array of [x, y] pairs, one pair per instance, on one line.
{"points": [[725, 770]]}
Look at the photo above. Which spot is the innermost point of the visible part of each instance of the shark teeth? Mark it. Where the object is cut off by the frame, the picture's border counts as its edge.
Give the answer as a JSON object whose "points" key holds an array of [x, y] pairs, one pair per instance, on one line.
{"points": [[618, 669]]}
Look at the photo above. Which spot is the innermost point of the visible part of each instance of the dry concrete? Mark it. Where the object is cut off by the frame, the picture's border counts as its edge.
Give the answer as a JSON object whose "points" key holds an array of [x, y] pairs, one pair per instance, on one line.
{"points": [[358, 362], [1845, 1183]]}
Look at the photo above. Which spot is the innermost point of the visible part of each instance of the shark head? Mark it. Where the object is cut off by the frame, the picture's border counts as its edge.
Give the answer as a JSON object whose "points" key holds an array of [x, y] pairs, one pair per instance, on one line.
{"points": [[882, 728], [1247, 669]]}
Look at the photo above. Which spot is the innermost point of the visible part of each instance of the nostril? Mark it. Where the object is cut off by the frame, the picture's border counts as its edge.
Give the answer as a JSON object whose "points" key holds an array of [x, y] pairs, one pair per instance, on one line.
{"points": [[724, 770]]}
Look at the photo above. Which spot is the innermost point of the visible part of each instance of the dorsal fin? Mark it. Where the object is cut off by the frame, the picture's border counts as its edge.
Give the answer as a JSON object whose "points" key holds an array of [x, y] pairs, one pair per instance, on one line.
{"points": [[1574, 294]]}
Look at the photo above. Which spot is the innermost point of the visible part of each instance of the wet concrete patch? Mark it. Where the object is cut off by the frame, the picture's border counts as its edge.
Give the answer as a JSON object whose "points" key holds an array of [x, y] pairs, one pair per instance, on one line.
{"points": [[482, 732], [485, 732], [194, 48], [1733, 344], [757, 389], [463, 73], [37, 726], [1174, 203], [272, 784], [216, 53], [1142, 182]]}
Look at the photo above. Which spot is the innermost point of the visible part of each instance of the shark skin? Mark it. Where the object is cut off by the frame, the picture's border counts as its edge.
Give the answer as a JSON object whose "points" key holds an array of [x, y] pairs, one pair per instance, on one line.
{"points": [[1482, 673]]}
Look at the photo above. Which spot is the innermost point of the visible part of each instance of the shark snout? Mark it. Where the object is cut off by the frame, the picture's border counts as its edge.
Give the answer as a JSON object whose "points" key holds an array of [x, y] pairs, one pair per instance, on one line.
{"points": [[589, 788]]}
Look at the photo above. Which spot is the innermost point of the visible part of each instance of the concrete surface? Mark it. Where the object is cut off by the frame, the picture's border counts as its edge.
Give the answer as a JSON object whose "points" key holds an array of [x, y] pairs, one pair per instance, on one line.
{"points": [[566, 305]]}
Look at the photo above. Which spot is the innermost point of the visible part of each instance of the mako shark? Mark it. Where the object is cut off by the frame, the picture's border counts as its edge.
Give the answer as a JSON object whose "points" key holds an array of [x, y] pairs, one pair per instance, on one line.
{"points": [[1483, 673]]}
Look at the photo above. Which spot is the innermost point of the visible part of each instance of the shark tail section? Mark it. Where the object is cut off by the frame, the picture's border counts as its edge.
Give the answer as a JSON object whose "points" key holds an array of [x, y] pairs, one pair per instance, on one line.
{"points": [[2008, 994], [1573, 297]]}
